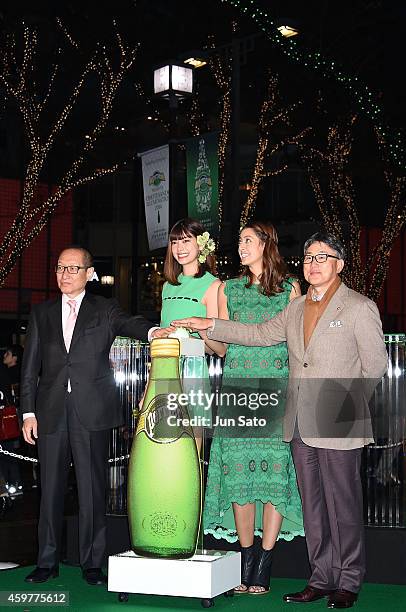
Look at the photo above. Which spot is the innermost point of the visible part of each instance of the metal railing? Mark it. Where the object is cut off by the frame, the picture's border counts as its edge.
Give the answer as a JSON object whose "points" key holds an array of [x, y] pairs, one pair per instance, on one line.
{"points": [[383, 467], [384, 462]]}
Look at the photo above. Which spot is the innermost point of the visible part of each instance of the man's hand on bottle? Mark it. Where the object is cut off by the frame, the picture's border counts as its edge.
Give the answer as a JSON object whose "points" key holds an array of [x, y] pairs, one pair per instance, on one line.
{"points": [[194, 323], [163, 332]]}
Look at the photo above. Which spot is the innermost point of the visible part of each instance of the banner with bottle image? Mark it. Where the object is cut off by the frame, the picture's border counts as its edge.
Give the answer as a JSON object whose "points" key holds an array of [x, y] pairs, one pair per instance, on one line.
{"points": [[155, 177], [202, 180]]}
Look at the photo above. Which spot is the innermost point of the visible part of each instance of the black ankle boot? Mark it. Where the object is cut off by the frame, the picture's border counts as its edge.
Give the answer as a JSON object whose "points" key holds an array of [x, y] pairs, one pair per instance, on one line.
{"points": [[247, 566], [261, 574]]}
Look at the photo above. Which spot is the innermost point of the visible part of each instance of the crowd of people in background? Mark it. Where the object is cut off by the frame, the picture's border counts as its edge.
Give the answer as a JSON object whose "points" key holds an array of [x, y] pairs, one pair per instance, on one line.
{"points": [[11, 484]]}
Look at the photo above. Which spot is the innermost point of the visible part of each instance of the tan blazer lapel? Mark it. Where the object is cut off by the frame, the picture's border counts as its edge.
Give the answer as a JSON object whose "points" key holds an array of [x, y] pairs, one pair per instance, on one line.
{"points": [[299, 327], [332, 312]]}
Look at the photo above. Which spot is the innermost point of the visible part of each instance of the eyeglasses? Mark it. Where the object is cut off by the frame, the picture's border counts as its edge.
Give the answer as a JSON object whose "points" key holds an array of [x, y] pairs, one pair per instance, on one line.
{"points": [[71, 269], [320, 258]]}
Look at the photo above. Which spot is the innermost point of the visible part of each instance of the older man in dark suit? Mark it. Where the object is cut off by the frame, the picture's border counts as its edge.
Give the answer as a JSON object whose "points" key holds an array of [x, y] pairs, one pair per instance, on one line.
{"points": [[69, 402]]}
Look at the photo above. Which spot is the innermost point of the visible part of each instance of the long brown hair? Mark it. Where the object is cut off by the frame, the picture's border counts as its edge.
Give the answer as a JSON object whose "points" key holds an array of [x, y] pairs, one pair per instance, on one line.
{"points": [[172, 268], [274, 268]]}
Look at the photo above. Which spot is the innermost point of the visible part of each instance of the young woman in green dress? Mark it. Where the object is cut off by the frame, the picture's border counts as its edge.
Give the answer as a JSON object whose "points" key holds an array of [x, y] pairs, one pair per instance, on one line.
{"points": [[251, 486], [191, 286], [191, 289]]}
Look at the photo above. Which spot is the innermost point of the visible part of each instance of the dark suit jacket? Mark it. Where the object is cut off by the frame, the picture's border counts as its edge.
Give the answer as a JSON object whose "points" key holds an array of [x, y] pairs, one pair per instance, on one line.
{"points": [[47, 366]]}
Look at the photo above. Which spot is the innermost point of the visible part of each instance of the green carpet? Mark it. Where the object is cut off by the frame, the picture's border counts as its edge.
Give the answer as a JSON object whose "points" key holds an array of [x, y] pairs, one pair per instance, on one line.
{"points": [[374, 597]]}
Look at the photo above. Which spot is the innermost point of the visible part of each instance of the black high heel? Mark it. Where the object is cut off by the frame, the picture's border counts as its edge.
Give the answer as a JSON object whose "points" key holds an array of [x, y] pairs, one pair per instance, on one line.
{"points": [[261, 574], [247, 566]]}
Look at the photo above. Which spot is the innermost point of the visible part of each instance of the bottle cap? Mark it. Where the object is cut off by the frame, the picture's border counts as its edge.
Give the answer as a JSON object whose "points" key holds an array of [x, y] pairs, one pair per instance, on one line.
{"points": [[165, 347], [180, 332]]}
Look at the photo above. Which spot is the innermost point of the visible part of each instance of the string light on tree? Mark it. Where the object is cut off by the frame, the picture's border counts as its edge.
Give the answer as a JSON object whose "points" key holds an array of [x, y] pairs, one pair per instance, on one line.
{"points": [[195, 115], [222, 74], [271, 114], [149, 104], [333, 189], [364, 98], [18, 72], [66, 33], [395, 220], [336, 201]]}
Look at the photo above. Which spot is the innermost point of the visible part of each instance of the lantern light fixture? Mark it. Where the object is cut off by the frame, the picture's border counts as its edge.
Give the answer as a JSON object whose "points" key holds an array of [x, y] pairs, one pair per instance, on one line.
{"points": [[196, 62], [173, 79], [287, 27]]}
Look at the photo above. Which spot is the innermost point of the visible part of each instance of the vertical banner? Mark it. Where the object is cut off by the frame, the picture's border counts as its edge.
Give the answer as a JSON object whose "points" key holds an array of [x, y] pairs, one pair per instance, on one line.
{"points": [[202, 180], [155, 177]]}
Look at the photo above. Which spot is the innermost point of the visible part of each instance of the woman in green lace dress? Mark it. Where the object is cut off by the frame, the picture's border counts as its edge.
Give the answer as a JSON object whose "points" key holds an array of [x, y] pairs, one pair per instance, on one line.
{"points": [[251, 486]]}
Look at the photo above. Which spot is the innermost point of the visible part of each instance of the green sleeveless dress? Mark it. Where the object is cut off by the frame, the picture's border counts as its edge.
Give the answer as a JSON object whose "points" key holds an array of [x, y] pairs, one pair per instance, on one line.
{"points": [[178, 302], [185, 300], [248, 470]]}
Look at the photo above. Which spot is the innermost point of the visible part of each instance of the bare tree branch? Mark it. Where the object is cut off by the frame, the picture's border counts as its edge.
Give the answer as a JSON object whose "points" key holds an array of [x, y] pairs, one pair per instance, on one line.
{"points": [[271, 114], [330, 176], [222, 73], [18, 79]]}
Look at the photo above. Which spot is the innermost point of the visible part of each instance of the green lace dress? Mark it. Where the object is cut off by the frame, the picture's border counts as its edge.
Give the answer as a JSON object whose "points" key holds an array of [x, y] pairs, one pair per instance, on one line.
{"points": [[248, 470]]}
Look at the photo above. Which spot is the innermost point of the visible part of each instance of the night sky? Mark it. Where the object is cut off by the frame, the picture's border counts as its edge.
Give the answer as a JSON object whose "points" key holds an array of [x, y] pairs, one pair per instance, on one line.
{"points": [[363, 37]]}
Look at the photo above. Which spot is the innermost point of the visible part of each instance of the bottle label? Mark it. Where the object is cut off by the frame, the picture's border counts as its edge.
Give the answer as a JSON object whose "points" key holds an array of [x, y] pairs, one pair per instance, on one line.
{"points": [[164, 525], [162, 424]]}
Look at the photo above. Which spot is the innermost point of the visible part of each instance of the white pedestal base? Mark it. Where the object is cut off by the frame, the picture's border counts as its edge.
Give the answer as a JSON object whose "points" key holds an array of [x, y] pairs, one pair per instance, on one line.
{"points": [[206, 575], [6, 565]]}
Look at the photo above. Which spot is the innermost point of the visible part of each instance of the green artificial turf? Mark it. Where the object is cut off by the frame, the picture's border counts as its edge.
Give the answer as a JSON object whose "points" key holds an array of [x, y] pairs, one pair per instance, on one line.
{"points": [[373, 598]]}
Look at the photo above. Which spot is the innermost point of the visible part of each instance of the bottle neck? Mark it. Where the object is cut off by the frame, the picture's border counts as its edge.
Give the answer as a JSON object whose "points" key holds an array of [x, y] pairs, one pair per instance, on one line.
{"points": [[164, 367]]}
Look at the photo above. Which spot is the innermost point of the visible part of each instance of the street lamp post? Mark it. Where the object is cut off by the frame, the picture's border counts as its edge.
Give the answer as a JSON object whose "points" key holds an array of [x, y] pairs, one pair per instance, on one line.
{"points": [[173, 82]]}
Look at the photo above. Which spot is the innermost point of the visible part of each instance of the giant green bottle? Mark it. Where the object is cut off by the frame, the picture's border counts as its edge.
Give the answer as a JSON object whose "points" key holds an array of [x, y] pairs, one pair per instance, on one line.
{"points": [[164, 478]]}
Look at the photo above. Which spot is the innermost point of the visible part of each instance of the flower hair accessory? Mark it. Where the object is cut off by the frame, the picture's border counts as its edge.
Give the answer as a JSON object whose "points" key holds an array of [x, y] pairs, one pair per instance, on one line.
{"points": [[206, 246]]}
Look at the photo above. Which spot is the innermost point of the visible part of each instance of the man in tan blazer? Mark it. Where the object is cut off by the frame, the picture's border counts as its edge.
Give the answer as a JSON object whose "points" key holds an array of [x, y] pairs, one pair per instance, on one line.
{"points": [[336, 357]]}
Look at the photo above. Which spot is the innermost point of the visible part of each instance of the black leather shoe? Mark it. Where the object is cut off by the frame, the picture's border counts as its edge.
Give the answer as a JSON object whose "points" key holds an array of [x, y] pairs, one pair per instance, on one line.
{"points": [[42, 574], [308, 594], [342, 599], [94, 576]]}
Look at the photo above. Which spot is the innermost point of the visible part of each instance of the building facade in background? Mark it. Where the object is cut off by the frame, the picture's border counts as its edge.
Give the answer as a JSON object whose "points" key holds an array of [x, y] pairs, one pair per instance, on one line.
{"points": [[33, 278]]}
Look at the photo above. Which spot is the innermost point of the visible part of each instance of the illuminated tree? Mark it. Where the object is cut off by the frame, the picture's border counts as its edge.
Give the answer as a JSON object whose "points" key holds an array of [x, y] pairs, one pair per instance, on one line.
{"points": [[36, 96], [330, 175], [272, 113], [222, 74]]}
